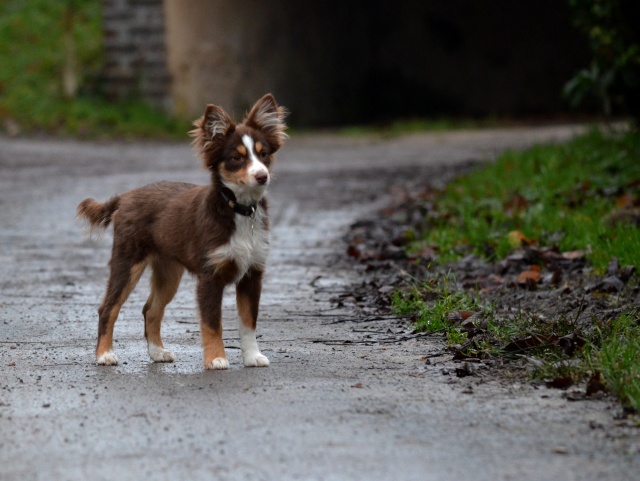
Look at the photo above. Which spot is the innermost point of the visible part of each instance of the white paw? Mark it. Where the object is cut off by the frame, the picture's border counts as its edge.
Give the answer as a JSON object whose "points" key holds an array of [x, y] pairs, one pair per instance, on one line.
{"points": [[218, 363], [255, 359], [109, 358], [159, 354]]}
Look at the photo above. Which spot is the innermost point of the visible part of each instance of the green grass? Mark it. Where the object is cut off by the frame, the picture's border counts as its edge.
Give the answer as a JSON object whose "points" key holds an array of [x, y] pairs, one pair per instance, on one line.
{"points": [[564, 195], [613, 349], [33, 53], [430, 302], [570, 196], [617, 359]]}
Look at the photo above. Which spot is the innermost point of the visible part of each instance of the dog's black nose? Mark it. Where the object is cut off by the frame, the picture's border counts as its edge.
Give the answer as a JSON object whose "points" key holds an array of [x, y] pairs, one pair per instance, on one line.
{"points": [[261, 178]]}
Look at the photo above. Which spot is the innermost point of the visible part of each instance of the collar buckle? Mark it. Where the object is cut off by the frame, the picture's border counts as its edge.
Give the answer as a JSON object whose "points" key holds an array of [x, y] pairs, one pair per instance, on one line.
{"points": [[237, 207]]}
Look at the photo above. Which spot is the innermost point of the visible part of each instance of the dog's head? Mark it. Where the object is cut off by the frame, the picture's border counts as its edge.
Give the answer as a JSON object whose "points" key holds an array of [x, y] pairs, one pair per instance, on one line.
{"points": [[240, 156]]}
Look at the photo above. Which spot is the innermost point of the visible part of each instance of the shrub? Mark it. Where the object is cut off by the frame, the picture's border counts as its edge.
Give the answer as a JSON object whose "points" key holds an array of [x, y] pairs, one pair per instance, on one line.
{"points": [[613, 77]]}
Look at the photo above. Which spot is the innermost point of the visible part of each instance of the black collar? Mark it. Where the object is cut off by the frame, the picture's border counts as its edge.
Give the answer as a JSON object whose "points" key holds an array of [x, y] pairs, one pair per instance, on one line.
{"points": [[238, 208]]}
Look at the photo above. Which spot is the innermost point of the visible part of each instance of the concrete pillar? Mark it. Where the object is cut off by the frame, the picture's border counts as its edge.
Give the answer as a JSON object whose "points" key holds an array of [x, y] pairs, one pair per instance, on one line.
{"points": [[218, 53]]}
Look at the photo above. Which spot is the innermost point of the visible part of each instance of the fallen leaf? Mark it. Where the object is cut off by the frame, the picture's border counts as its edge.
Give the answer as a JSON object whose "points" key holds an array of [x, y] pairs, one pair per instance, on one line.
{"points": [[559, 383], [517, 239], [428, 253], [516, 204], [550, 257], [625, 200], [611, 285], [528, 279], [552, 277], [386, 289], [460, 315], [357, 385], [353, 251], [573, 255], [525, 276], [595, 384]]}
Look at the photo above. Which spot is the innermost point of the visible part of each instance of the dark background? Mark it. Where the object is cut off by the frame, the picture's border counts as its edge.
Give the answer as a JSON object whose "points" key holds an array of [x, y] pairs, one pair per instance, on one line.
{"points": [[373, 61]]}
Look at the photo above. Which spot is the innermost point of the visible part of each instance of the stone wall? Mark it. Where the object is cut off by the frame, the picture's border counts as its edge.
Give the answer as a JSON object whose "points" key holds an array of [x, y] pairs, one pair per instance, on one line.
{"points": [[135, 53]]}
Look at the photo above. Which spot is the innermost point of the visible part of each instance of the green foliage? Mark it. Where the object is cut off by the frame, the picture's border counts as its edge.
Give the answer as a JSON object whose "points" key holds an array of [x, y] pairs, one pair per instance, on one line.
{"points": [[564, 195], [33, 51], [613, 349], [576, 196], [618, 359], [614, 74], [40, 42], [430, 301]]}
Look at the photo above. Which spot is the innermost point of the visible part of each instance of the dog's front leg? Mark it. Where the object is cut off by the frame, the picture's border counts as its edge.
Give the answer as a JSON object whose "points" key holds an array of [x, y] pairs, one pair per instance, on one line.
{"points": [[248, 300], [210, 290]]}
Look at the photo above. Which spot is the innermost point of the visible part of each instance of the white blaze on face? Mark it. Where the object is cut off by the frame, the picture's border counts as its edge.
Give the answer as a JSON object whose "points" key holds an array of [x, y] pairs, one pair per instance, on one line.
{"points": [[255, 166]]}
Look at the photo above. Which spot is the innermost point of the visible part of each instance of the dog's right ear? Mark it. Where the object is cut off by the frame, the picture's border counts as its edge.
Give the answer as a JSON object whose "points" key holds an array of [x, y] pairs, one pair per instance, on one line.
{"points": [[213, 126], [217, 122]]}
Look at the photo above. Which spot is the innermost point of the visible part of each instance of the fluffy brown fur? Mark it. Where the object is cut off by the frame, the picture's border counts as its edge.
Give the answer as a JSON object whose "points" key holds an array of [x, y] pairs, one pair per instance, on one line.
{"points": [[176, 226]]}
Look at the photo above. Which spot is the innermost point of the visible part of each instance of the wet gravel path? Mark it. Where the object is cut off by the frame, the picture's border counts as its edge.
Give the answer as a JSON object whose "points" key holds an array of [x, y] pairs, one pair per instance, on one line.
{"points": [[330, 406]]}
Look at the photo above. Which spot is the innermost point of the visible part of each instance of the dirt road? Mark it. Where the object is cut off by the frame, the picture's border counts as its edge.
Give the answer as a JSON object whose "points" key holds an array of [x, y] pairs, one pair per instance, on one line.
{"points": [[329, 407]]}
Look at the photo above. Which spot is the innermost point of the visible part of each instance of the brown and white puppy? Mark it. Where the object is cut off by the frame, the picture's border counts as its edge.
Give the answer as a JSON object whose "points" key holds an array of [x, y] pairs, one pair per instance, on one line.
{"points": [[217, 232]]}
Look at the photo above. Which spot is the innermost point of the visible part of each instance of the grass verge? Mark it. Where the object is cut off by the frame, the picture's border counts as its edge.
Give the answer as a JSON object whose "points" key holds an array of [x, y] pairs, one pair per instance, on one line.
{"points": [[577, 195], [553, 347], [617, 358], [582, 195], [50, 80]]}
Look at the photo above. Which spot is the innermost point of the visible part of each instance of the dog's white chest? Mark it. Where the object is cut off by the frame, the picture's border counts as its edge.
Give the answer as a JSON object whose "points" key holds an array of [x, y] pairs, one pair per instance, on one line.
{"points": [[248, 246]]}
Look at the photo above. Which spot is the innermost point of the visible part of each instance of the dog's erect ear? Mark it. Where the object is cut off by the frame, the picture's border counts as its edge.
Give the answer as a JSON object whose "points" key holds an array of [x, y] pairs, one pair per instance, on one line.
{"points": [[216, 122], [214, 125], [267, 117]]}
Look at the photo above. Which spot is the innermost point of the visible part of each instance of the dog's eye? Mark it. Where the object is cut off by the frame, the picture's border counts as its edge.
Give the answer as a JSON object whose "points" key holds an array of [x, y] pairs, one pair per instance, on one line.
{"points": [[236, 158], [263, 155]]}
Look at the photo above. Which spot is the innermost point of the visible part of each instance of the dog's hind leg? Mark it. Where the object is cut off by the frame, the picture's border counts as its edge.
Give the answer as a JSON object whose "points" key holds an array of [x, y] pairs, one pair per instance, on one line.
{"points": [[248, 300], [123, 278], [165, 280]]}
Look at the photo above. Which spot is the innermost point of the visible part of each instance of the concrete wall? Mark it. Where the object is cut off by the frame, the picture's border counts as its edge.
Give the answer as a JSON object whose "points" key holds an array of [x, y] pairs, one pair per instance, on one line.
{"points": [[214, 53], [309, 54], [337, 62]]}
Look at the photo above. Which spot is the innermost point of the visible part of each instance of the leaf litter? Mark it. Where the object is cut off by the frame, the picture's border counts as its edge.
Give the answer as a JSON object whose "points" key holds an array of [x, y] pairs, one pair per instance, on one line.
{"points": [[555, 297]]}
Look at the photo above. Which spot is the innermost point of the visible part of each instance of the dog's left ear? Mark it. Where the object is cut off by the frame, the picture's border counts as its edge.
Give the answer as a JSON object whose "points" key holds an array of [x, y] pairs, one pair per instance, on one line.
{"points": [[267, 117]]}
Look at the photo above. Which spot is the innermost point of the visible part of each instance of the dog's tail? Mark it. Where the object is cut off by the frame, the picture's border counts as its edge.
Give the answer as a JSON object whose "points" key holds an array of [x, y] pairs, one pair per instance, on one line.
{"points": [[98, 214]]}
